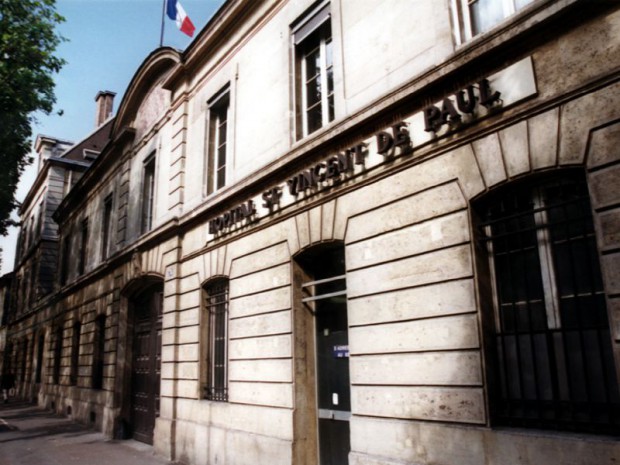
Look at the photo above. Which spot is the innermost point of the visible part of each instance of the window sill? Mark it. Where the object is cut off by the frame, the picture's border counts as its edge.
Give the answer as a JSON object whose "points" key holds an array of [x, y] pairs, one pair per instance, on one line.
{"points": [[516, 24]]}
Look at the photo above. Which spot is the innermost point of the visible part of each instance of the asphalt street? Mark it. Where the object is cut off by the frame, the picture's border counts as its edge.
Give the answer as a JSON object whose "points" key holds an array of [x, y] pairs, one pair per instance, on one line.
{"points": [[32, 436]]}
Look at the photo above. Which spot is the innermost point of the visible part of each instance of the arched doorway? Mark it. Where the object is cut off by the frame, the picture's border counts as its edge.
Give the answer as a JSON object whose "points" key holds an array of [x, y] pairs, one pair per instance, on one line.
{"points": [[145, 361], [320, 283]]}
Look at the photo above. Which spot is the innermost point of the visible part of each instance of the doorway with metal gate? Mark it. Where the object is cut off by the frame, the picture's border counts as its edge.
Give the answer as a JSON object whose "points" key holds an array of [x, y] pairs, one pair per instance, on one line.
{"points": [[323, 294]]}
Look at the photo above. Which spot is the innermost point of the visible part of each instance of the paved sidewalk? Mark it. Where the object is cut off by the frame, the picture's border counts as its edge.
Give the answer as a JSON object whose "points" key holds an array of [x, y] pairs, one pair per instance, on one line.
{"points": [[30, 435]]}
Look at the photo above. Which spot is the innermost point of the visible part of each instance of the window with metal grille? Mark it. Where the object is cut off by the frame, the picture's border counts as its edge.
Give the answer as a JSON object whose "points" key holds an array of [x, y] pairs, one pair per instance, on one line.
{"points": [[552, 355], [216, 309]]}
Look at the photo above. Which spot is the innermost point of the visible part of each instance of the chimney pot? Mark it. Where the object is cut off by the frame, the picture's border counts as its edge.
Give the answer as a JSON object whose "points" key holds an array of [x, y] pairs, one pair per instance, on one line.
{"points": [[105, 102]]}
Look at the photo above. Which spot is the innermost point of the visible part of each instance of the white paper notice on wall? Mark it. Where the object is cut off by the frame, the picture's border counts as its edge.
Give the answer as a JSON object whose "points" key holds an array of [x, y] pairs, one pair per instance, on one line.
{"points": [[335, 398]]}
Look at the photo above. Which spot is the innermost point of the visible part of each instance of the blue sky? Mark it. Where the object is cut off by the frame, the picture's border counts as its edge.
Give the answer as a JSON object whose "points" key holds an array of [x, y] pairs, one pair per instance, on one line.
{"points": [[106, 42]]}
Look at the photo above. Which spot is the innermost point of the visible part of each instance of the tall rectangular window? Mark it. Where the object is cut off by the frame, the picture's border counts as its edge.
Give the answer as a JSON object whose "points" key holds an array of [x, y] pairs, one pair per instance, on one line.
{"points": [[24, 358], [26, 239], [67, 182], [30, 356], [148, 194], [83, 246], [6, 306], [106, 227], [41, 219], [216, 317], [31, 238], [75, 352], [40, 358], [99, 352], [20, 244], [19, 296], [314, 70], [478, 16], [57, 354], [218, 141], [64, 258], [26, 291], [34, 279]]}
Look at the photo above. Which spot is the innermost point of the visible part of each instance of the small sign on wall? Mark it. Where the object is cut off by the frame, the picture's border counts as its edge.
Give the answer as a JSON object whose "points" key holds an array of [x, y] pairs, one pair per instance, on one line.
{"points": [[340, 351]]}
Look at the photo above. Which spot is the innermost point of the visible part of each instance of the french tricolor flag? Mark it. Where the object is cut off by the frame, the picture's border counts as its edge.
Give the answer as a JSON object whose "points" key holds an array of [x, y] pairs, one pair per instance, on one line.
{"points": [[175, 11]]}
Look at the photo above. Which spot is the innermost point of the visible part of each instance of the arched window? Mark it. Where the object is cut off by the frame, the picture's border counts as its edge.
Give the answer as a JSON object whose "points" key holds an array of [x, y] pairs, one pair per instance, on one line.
{"points": [[216, 350], [552, 358]]}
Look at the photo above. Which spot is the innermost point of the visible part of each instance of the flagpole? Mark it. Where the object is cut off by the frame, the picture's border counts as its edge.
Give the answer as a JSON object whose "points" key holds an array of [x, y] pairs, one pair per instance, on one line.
{"points": [[163, 16]]}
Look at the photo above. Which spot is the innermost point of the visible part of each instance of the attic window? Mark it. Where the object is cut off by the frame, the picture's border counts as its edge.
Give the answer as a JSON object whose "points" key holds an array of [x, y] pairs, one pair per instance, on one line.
{"points": [[89, 154]]}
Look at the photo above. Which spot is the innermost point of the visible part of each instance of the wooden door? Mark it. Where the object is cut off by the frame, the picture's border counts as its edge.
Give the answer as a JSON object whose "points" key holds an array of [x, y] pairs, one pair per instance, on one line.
{"points": [[146, 364]]}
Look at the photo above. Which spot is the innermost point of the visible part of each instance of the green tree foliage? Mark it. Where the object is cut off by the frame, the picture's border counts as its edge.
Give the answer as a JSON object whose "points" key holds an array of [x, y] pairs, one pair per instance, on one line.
{"points": [[28, 40]]}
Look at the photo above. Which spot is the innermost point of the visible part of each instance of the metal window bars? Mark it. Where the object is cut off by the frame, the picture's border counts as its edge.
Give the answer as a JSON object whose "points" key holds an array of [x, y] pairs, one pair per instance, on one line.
{"points": [[217, 309], [553, 353]]}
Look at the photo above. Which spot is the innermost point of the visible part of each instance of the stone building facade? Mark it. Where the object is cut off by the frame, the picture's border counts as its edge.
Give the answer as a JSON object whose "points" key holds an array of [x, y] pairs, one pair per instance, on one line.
{"points": [[374, 232], [6, 284], [29, 297]]}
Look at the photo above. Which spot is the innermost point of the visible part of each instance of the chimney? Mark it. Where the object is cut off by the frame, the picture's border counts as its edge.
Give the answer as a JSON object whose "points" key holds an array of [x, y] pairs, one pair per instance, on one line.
{"points": [[105, 101]]}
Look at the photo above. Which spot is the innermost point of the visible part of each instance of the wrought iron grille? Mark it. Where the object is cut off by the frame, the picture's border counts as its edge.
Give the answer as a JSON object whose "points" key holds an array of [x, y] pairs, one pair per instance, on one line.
{"points": [[553, 355], [217, 359]]}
